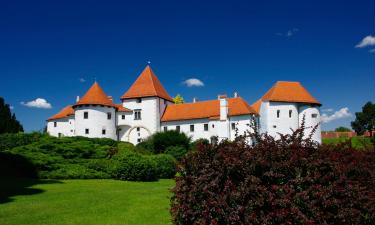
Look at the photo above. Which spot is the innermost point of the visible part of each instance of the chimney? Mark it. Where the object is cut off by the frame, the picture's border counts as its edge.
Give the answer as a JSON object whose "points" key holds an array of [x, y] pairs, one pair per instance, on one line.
{"points": [[223, 107], [110, 98], [221, 96], [77, 99], [235, 94], [195, 100]]}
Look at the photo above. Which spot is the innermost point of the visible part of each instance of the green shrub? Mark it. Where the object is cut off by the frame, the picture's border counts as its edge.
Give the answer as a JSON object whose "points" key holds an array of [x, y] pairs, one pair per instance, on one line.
{"points": [[177, 152], [135, 167], [73, 171], [165, 165], [9, 141], [159, 142]]}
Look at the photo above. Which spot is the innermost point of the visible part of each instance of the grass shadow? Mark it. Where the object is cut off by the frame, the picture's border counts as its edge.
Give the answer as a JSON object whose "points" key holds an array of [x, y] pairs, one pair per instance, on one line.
{"points": [[11, 187]]}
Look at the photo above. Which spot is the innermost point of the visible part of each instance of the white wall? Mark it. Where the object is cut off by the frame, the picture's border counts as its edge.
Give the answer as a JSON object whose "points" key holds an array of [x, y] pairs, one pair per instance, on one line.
{"points": [[242, 123], [64, 126], [283, 124], [96, 122], [311, 122]]}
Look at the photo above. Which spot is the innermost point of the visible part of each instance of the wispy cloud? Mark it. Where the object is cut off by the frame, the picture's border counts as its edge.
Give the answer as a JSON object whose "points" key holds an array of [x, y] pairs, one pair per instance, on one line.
{"points": [[372, 50], [340, 114], [366, 41], [327, 110], [193, 82], [289, 33], [38, 103], [82, 80]]}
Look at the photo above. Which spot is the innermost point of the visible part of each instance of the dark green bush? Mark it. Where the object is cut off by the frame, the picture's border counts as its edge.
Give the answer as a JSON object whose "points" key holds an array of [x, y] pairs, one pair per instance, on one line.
{"points": [[177, 152], [9, 141], [73, 171], [165, 165], [13, 165]]}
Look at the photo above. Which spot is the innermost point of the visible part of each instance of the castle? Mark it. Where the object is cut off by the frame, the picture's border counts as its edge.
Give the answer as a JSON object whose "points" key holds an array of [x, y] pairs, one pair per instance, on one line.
{"points": [[147, 108]]}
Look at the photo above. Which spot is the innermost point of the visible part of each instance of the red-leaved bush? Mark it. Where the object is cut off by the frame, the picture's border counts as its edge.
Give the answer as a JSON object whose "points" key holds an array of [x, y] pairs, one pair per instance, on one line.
{"points": [[285, 181]]}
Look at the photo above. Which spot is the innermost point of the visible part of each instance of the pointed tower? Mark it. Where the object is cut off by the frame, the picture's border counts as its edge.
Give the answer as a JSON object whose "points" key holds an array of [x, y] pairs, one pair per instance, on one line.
{"points": [[95, 114], [148, 99]]}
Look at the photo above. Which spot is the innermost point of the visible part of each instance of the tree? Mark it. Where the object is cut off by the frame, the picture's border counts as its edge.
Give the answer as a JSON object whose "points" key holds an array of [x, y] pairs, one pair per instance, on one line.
{"points": [[365, 120], [8, 121], [178, 99], [342, 129]]}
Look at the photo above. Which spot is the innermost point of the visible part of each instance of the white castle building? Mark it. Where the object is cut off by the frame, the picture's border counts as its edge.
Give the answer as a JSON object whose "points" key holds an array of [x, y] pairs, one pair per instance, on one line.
{"points": [[147, 108]]}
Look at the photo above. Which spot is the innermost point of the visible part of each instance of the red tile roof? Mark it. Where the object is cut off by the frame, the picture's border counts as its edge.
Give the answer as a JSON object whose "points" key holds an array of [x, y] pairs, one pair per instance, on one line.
{"points": [[206, 109], [65, 112], [147, 85], [95, 96], [286, 91], [121, 108]]}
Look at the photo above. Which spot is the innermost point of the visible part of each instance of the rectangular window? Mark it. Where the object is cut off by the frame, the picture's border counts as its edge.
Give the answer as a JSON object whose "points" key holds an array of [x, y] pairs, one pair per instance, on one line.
{"points": [[178, 128], [59, 134], [86, 131], [290, 113], [137, 114], [109, 115], [103, 131], [165, 128], [139, 100], [233, 126], [274, 126], [192, 128], [139, 140], [206, 127], [85, 115], [138, 129], [278, 113], [314, 115], [123, 117], [55, 124]]}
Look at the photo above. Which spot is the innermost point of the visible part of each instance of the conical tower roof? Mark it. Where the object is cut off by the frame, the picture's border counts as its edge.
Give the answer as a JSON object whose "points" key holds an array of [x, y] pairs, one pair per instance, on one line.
{"points": [[147, 85], [95, 96]]}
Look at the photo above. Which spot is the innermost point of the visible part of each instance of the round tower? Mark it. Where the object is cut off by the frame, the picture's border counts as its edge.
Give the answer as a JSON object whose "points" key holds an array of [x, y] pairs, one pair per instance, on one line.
{"points": [[95, 114], [311, 113]]}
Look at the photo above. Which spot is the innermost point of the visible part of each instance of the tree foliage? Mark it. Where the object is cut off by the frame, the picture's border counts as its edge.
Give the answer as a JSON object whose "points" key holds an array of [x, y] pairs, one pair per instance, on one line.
{"points": [[178, 99], [8, 121], [342, 129], [365, 120]]}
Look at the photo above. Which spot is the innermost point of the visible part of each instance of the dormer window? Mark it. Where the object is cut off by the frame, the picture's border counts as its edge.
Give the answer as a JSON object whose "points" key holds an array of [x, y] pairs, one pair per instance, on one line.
{"points": [[278, 113], [139, 100]]}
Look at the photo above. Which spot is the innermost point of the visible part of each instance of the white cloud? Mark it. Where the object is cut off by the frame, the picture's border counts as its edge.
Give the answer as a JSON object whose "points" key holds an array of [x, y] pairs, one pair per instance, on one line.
{"points": [[340, 114], [193, 82], [82, 80], [289, 33], [367, 41], [38, 103], [372, 50]]}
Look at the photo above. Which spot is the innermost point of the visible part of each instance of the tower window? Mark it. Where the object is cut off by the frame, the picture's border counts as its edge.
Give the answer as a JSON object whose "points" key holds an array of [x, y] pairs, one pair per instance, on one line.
{"points": [[192, 128], [314, 115], [274, 126], [137, 114], [139, 100], [85, 115], [139, 140], [87, 131], [290, 113], [138, 129], [123, 117], [233, 126], [278, 113], [103, 131], [109, 115], [55, 124], [178, 128], [206, 127]]}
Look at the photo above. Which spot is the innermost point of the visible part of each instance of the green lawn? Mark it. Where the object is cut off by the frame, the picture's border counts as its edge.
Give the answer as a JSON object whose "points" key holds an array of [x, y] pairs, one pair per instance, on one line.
{"points": [[84, 202], [357, 142]]}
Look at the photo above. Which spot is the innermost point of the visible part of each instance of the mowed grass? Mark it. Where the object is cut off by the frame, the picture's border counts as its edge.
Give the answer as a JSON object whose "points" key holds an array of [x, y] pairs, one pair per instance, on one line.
{"points": [[357, 142], [84, 202]]}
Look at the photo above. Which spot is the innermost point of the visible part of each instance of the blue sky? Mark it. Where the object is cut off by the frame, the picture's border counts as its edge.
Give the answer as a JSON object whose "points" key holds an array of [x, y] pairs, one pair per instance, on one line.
{"points": [[48, 48]]}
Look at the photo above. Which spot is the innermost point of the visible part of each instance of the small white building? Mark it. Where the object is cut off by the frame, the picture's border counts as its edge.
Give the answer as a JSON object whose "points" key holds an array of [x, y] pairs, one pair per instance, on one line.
{"points": [[147, 108]]}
